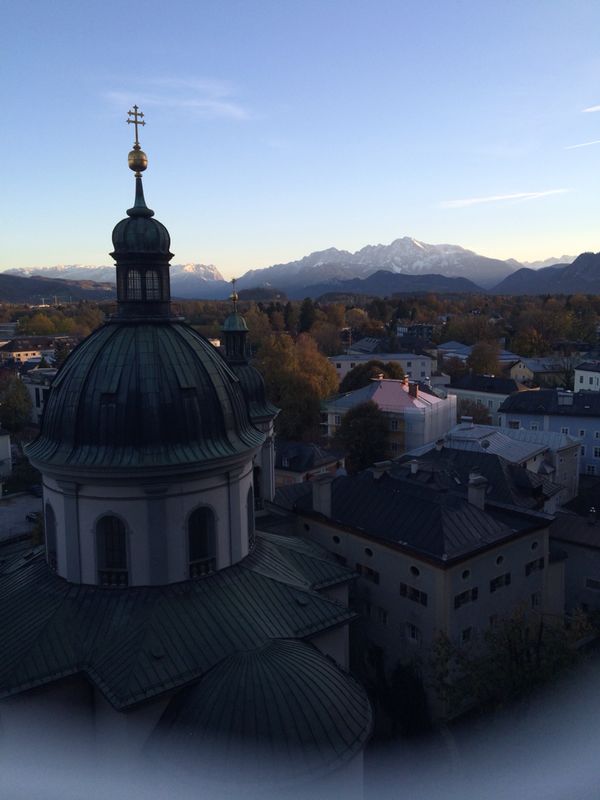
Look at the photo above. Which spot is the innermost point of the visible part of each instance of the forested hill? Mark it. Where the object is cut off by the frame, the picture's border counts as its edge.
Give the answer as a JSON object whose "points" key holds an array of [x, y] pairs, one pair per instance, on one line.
{"points": [[35, 290]]}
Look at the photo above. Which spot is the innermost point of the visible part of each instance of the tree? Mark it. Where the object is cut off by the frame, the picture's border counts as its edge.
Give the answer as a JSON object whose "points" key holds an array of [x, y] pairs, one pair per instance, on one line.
{"points": [[327, 336], [469, 408], [363, 433], [483, 359], [454, 367], [61, 353], [362, 374], [506, 663], [307, 315], [15, 405]]}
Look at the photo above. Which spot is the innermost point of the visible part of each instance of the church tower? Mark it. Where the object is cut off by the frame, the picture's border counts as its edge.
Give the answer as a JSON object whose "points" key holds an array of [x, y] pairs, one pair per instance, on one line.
{"points": [[146, 446]]}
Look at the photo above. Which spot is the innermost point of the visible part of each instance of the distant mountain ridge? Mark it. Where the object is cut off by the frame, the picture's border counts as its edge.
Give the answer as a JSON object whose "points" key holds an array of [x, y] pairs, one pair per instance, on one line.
{"points": [[581, 276]]}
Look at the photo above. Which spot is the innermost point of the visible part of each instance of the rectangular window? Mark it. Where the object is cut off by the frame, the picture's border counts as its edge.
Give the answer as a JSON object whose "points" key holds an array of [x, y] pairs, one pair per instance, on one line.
{"points": [[338, 366], [352, 364], [596, 434], [409, 363], [592, 583], [534, 566], [513, 424], [413, 633], [533, 426], [581, 433], [499, 582], [581, 379], [490, 403], [596, 452], [382, 615], [582, 449], [591, 381], [416, 595], [590, 469], [465, 636], [368, 573], [468, 596], [395, 448], [337, 419], [565, 430], [394, 425], [536, 600]]}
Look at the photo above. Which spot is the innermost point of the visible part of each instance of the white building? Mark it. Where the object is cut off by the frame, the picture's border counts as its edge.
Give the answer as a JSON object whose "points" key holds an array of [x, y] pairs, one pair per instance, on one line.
{"points": [[38, 382], [587, 377], [416, 367]]}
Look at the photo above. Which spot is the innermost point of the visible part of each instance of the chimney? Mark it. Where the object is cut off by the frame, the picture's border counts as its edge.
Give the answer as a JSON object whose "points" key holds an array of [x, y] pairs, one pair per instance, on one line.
{"points": [[379, 468], [321, 494], [466, 422], [477, 489], [592, 516], [405, 383], [439, 445], [414, 466], [413, 389]]}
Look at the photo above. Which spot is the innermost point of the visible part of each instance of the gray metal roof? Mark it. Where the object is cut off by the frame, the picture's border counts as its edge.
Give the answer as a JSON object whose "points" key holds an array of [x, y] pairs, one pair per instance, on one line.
{"points": [[139, 642], [281, 712], [143, 395]]}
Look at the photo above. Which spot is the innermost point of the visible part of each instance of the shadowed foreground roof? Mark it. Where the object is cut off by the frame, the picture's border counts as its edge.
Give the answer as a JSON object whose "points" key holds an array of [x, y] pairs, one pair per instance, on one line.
{"points": [[280, 712], [136, 643]]}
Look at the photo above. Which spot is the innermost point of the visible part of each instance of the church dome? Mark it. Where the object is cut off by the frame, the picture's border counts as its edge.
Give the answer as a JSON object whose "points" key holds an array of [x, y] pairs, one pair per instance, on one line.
{"points": [[139, 233], [281, 713], [144, 395]]}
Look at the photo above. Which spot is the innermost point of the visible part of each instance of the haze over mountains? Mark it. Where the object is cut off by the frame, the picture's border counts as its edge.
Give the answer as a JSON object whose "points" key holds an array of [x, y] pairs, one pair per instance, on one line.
{"points": [[406, 265]]}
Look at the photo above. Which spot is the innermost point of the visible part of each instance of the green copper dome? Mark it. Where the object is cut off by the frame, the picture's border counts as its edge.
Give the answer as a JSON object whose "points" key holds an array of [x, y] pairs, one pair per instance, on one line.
{"points": [[143, 395], [139, 233]]}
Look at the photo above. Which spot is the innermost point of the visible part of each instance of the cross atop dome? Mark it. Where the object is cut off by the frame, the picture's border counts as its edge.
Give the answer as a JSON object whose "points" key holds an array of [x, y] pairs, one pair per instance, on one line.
{"points": [[137, 159]]}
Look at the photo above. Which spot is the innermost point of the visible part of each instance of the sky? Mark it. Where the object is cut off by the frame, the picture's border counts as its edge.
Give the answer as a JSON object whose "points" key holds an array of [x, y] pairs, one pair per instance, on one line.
{"points": [[276, 128]]}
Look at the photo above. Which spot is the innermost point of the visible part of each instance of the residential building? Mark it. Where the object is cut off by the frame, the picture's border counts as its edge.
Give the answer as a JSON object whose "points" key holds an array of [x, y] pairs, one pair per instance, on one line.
{"points": [[486, 391], [38, 382], [575, 414], [22, 349], [429, 560], [416, 415], [544, 372], [587, 377], [454, 349], [416, 367], [579, 538], [296, 462]]}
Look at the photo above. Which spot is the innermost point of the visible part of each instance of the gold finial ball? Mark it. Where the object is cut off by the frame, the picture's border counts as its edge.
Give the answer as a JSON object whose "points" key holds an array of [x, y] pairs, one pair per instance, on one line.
{"points": [[234, 297], [137, 160]]}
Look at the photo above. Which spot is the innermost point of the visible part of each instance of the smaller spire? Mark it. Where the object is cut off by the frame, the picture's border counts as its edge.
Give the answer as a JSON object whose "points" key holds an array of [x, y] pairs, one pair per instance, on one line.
{"points": [[234, 297]]}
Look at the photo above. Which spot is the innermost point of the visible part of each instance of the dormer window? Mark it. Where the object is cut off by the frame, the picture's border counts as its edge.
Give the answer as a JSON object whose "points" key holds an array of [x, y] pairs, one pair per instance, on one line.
{"points": [[201, 542], [111, 542]]}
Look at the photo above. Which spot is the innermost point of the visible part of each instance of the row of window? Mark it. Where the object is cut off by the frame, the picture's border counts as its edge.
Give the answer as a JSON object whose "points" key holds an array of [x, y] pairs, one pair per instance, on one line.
{"points": [[112, 551], [411, 593], [150, 281]]}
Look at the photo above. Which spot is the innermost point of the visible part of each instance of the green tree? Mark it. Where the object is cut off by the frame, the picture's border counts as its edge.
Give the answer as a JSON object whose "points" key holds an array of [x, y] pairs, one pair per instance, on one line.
{"points": [[363, 434], [61, 353], [15, 405], [483, 359], [362, 374]]}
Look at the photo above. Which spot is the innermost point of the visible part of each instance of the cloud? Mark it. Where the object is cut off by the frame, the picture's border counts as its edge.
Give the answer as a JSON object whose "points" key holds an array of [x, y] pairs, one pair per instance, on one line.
{"points": [[497, 198], [205, 97], [590, 109], [583, 144]]}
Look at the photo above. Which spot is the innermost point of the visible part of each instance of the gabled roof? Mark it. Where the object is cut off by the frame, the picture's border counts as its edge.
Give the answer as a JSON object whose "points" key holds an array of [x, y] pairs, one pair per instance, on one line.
{"points": [[302, 456], [544, 364], [589, 366], [390, 395], [556, 402], [432, 522], [139, 642], [487, 383], [576, 529]]}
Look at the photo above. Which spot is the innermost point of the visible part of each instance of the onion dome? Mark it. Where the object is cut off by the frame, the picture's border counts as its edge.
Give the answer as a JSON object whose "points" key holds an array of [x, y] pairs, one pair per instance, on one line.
{"points": [[143, 395], [139, 234], [284, 713]]}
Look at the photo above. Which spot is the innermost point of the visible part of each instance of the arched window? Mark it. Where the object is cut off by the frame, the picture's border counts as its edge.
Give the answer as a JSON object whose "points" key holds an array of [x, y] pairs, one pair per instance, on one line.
{"points": [[250, 513], [50, 535], [111, 540], [134, 285], [201, 542], [152, 285]]}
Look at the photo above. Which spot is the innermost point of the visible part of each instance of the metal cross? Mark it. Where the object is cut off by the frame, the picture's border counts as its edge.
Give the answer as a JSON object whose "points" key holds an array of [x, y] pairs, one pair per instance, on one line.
{"points": [[234, 294], [137, 120]]}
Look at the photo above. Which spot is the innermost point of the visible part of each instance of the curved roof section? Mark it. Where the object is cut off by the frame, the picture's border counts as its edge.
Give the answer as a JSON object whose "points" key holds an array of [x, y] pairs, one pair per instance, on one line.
{"points": [[144, 395], [253, 386], [283, 709]]}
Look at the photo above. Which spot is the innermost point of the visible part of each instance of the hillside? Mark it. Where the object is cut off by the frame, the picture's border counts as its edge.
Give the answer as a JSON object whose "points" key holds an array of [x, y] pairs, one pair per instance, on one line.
{"points": [[16, 289]]}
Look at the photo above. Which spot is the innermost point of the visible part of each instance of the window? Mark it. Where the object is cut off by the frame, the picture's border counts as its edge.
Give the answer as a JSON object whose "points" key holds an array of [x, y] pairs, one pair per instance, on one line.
{"points": [[536, 600], [465, 636], [596, 434], [395, 447], [201, 542], [582, 450], [409, 363], [581, 433], [490, 403], [581, 379], [535, 545], [250, 518], [596, 452], [134, 285], [337, 419], [368, 552], [513, 424], [415, 571], [411, 593], [534, 566], [352, 364], [413, 634], [466, 574], [533, 426], [592, 583], [500, 581], [368, 573], [499, 560], [393, 424], [468, 596], [152, 285], [50, 536], [591, 380], [382, 615], [590, 469], [111, 542], [336, 539], [565, 430], [338, 366]]}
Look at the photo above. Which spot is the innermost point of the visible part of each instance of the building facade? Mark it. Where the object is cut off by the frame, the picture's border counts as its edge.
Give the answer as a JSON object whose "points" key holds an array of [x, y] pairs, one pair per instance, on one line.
{"points": [[416, 367]]}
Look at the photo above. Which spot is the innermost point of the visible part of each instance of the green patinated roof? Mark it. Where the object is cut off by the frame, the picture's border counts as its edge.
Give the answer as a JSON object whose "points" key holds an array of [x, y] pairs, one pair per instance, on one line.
{"points": [[137, 643], [143, 394], [283, 705], [234, 322]]}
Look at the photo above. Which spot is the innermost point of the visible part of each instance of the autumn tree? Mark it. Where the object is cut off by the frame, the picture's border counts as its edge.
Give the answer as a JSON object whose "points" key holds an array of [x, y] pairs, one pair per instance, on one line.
{"points": [[362, 374], [363, 434], [484, 358], [478, 412]]}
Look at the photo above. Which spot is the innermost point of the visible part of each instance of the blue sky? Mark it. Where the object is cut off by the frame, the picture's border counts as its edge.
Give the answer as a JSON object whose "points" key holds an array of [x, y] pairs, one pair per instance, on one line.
{"points": [[278, 128]]}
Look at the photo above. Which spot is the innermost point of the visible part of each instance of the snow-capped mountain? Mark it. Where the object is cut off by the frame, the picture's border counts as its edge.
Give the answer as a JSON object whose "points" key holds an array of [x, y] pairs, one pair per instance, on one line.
{"points": [[79, 272], [549, 262], [404, 256]]}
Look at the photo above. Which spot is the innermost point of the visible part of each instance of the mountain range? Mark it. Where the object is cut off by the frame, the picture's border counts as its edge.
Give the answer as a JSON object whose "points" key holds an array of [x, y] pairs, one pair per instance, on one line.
{"points": [[404, 266]]}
